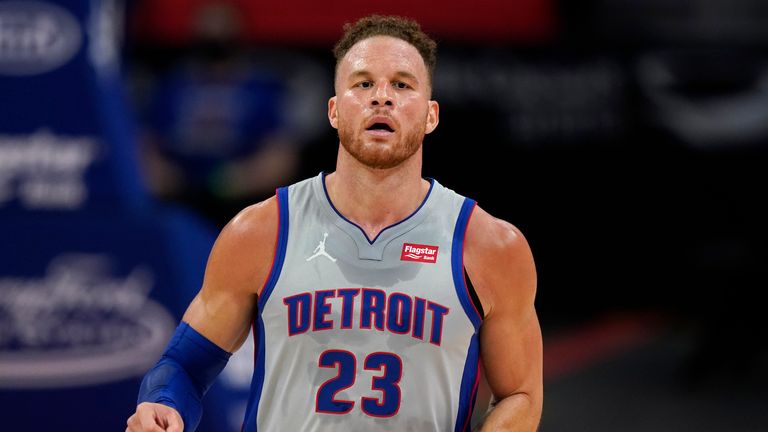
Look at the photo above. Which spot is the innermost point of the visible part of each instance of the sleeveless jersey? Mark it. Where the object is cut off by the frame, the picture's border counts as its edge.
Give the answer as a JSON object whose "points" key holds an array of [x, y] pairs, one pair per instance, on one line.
{"points": [[355, 334]]}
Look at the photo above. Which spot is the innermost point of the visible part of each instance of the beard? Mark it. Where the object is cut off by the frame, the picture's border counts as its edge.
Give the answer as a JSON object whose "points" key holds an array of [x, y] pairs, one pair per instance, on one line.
{"points": [[377, 155]]}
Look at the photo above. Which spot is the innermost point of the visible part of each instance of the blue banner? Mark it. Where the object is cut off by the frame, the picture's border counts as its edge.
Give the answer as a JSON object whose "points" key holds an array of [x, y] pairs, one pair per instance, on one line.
{"points": [[66, 140]]}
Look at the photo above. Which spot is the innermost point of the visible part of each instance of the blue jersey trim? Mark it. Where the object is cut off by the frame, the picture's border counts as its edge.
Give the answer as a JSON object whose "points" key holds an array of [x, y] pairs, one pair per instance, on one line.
{"points": [[257, 383], [328, 197], [282, 242], [469, 384], [457, 262]]}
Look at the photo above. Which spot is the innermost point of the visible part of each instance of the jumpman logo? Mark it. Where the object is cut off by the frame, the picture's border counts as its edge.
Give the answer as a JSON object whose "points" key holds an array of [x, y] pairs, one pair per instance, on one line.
{"points": [[320, 250]]}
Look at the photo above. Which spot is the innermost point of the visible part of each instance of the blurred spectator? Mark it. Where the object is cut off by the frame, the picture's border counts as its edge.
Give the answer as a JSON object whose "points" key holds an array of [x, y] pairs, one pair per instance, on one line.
{"points": [[217, 137]]}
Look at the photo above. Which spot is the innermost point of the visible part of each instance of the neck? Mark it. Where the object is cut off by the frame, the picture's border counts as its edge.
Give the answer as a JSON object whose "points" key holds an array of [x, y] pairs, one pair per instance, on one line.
{"points": [[376, 198]]}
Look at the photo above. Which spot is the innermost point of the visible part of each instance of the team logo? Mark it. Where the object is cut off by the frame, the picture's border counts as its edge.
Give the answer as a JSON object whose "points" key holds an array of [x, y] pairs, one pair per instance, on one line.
{"points": [[320, 250], [419, 253]]}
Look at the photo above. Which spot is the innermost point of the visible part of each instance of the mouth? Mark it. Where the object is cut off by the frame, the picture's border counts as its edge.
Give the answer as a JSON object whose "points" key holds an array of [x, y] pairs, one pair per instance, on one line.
{"points": [[380, 126]]}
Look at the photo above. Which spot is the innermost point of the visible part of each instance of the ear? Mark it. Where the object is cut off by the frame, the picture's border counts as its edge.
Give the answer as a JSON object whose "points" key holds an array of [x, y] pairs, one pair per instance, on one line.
{"points": [[333, 115], [433, 116]]}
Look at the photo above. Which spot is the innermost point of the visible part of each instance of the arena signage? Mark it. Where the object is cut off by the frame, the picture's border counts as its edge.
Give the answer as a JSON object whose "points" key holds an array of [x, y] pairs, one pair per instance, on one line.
{"points": [[36, 37], [80, 323], [43, 170]]}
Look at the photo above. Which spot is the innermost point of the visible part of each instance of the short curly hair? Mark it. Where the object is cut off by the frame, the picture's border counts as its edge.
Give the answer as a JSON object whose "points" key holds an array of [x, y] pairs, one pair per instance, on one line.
{"points": [[393, 26]]}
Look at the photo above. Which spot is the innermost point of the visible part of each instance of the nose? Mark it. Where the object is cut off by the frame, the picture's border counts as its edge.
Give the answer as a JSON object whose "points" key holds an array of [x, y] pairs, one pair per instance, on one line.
{"points": [[382, 95]]}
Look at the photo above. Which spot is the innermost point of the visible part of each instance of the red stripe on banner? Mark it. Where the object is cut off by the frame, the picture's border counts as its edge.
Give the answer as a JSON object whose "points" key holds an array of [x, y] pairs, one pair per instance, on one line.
{"points": [[313, 22], [577, 349]]}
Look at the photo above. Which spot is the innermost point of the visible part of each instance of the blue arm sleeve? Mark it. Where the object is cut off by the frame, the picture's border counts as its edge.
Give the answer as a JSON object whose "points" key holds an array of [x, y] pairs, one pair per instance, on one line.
{"points": [[184, 374]]}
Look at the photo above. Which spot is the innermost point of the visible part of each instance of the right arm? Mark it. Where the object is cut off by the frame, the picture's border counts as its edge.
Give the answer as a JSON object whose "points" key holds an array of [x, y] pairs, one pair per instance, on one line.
{"points": [[223, 310], [237, 270]]}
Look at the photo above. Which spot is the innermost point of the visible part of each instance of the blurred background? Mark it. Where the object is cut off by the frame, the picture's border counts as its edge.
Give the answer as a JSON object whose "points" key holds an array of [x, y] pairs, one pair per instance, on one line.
{"points": [[626, 138]]}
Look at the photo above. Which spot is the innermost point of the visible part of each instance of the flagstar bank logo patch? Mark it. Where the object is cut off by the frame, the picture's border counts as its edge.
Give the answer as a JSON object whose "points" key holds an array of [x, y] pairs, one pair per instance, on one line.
{"points": [[419, 253]]}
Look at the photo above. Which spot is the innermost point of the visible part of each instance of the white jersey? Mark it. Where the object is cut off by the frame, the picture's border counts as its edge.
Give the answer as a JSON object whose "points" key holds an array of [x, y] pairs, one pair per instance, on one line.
{"points": [[355, 334]]}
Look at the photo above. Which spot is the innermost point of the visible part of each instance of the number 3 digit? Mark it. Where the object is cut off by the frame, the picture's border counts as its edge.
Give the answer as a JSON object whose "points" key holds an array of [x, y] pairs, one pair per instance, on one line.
{"points": [[387, 383]]}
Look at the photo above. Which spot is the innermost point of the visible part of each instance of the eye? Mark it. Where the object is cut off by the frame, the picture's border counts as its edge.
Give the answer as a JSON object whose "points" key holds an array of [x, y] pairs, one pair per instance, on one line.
{"points": [[400, 85], [365, 84]]}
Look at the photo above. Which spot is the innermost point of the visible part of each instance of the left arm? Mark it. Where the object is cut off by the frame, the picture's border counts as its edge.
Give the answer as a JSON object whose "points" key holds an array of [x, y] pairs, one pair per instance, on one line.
{"points": [[500, 264]]}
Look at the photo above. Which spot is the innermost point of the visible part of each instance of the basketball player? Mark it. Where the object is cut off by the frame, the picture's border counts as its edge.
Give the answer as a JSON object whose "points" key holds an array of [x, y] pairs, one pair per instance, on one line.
{"points": [[354, 281]]}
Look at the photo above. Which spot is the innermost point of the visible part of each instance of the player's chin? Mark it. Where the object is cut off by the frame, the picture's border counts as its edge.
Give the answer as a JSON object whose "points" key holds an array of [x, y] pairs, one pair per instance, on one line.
{"points": [[385, 159]]}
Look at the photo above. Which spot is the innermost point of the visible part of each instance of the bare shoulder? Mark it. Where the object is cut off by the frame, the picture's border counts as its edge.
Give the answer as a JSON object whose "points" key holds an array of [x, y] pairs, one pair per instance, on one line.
{"points": [[254, 222], [237, 268], [489, 234], [499, 262], [245, 247]]}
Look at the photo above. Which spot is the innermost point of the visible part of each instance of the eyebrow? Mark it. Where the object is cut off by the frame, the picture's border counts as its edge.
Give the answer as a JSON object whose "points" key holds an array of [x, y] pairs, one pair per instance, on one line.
{"points": [[400, 74]]}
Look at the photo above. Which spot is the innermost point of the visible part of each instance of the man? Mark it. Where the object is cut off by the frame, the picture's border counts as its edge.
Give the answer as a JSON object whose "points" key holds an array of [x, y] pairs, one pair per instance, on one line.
{"points": [[354, 281]]}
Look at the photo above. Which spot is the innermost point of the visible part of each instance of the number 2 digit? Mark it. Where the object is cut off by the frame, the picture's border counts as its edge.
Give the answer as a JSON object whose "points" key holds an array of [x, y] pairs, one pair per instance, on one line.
{"points": [[346, 363]]}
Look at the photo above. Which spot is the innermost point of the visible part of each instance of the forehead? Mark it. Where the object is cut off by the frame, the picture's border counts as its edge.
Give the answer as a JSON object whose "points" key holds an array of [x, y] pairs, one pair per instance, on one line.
{"points": [[382, 52]]}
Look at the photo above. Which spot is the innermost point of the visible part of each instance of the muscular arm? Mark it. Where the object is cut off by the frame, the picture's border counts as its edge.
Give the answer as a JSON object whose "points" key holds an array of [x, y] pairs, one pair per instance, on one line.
{"points": [[222, 312], [237, 269], [500, 265]]}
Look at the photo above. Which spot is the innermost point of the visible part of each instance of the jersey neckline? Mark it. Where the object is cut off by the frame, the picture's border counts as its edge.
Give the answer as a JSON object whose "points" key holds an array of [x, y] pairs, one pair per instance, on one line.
{"points": [[376, 246]]}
